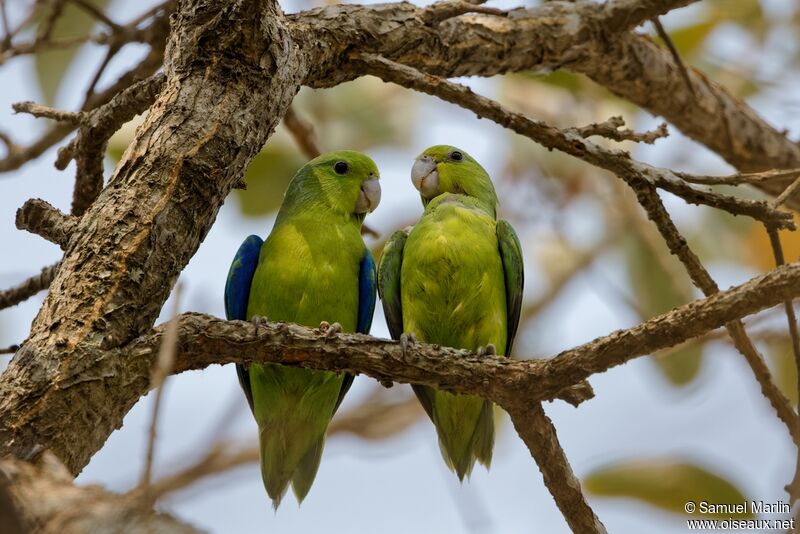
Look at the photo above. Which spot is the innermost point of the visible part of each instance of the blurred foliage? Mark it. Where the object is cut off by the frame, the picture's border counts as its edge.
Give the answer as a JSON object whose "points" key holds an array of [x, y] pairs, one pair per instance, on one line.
{"points": [[51, 65], [658, 291], [344, 117], [665, 483], [782, 366]]}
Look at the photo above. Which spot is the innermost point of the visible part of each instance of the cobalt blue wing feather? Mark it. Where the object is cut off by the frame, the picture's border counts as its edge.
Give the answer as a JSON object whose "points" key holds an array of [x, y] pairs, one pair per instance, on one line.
{"points": [[237, 295], [367, 293]]}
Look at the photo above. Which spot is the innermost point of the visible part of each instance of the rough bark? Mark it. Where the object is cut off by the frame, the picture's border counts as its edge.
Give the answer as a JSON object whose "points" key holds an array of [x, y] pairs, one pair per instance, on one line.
{"points": [[231, 72], [44, 499]]}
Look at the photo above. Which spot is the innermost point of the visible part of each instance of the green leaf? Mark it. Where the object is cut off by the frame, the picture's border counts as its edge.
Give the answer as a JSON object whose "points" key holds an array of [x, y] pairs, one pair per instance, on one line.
{"points": [[267, 178], [658, 291], [689, 39], [667, 484], [781, 359], [51, 65]]}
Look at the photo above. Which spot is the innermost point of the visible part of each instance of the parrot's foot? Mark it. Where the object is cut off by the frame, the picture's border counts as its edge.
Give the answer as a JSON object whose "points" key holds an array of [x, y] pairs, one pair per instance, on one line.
{"points": [[488, 350], [258, 320], [407, 340], [330, 329]]}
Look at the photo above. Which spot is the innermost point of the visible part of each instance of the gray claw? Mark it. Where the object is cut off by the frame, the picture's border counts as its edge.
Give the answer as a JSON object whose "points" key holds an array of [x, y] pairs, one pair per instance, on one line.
{"points": [[258, 320], [407, 339], [488, 350], [330, 329]]}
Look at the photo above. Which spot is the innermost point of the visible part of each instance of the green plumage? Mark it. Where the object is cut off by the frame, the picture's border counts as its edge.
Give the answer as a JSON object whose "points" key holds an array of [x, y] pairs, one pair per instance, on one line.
{"points": [[455, 279], [308, 272]]}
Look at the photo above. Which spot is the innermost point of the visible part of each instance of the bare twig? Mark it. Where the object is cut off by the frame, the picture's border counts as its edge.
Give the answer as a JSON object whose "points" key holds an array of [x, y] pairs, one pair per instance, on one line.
{"points": [[161, 370], [98, 14], [675, 55], [787, 193], [741, 178], [570, 142], [9, 350], [28, 288], [648, 198], [89, 145], [38, 110], [303, 133], [777, 250], [613, 128], [441, 11], [39, 217]]}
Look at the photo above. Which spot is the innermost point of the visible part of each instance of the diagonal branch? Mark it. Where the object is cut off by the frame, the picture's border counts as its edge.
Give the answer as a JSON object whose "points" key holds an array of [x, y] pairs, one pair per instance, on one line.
{"points": [[570, 142], [656, 211], [539, 434]]}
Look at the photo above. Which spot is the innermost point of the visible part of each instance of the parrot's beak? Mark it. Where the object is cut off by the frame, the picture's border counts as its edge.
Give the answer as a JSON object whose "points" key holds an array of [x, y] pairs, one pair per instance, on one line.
{"points": [[425, 176], [370, 195]]}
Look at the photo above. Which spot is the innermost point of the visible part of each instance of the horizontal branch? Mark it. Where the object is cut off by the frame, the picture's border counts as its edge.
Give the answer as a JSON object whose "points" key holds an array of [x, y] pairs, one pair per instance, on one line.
{"points": [[39, 217], [204, 340]]}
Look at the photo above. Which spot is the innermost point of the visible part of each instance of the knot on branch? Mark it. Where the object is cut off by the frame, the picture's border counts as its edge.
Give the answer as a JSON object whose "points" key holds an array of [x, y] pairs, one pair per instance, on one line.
{"points": [[39, 217], [613, 128]]}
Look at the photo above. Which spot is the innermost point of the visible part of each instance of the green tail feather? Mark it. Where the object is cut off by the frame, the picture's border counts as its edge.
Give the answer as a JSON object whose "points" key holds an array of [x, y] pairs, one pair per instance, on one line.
{"points": [[306, 470], [465, 425]]}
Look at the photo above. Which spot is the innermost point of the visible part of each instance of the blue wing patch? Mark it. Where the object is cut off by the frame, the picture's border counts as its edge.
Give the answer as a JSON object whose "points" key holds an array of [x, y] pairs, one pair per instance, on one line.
{"points": [[237, 295], [366, 293], [240, 276]]}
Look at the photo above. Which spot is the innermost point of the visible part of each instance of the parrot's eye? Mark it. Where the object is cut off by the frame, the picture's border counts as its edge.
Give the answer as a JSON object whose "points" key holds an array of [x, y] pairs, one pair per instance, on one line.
{"points": [[455, 155], [341, 167]]}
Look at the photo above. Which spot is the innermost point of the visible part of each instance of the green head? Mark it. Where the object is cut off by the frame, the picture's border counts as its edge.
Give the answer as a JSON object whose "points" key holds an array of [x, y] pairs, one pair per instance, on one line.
{"points": [[447, 169], [342, 184]]}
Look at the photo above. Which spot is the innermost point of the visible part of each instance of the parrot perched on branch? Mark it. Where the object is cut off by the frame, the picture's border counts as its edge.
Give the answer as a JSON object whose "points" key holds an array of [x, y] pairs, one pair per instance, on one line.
{"points": [[455, 279], [313, 268]]}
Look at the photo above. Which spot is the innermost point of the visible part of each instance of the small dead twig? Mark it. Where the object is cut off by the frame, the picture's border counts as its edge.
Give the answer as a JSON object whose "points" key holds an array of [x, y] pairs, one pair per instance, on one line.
{"points": [[161, 370], [441, 11], [613, 128], [793, 488], [28, 288], [568, 141], [303, 133], [675, 55], [740, 178]]}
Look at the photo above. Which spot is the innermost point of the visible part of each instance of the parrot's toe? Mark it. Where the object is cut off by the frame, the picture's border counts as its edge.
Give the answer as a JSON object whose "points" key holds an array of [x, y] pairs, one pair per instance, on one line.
{"points": [[407, 339], [488, 350], [258, 320], [330, 329]]}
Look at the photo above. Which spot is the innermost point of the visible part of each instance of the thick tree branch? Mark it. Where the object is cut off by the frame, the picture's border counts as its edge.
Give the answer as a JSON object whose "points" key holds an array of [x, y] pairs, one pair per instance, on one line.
{"points": [[204, 340], [231, 71], [46, 500]]}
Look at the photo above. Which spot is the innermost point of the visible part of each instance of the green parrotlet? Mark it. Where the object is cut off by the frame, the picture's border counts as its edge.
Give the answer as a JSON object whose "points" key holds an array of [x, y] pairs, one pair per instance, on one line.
{"points": [[313, 268], [455, 279]]}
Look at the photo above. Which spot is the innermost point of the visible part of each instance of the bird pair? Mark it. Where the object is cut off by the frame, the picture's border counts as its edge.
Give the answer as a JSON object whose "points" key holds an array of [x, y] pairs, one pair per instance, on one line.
{"points": [[454, 279]]}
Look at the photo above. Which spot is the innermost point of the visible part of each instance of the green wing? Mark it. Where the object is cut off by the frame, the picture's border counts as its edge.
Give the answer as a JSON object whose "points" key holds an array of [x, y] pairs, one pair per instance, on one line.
{"points": [[389, 282], [511, 254]]}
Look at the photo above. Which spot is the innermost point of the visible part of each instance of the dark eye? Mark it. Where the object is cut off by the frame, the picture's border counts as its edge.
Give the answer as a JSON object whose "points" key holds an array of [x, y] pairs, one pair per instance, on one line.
{"points": [[455, 155], [341, 167]]}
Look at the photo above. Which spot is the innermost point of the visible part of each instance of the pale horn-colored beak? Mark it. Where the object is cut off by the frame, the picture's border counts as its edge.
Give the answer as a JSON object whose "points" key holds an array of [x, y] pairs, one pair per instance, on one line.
{"points": [[370, 195], [425, 176]]}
